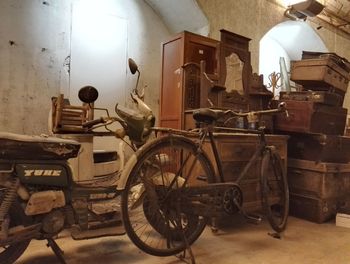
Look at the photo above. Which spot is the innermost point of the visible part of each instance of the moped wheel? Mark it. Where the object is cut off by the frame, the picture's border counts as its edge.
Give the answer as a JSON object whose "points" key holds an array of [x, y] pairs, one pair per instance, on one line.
{"points": [[274, 188], [10, 253], [155, 215]]}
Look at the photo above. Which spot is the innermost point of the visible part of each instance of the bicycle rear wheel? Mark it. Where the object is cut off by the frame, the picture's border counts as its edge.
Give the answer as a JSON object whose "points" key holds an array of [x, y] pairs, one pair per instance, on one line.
{"points": [[156, 217], [274, 188]]}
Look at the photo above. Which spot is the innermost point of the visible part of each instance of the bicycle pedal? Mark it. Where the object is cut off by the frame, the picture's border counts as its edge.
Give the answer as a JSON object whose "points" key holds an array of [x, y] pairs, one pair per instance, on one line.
{"points": [[253, 219], [275, 235]]}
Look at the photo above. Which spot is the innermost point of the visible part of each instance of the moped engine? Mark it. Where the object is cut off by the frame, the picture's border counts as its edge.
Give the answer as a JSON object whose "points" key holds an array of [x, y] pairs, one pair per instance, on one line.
{"points": [[44, 202], [53, 222]]}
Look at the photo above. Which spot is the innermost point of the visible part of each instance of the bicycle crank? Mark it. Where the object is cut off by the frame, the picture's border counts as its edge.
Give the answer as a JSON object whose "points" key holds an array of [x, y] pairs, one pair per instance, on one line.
{"points": [[232, 199]]}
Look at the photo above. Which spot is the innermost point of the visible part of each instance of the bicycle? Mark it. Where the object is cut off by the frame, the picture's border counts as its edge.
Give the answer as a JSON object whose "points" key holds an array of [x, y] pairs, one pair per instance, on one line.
{"points": [[179, 189]]}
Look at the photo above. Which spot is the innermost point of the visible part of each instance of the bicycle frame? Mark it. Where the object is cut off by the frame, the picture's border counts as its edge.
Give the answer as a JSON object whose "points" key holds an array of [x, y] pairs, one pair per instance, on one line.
{"points": [[208, 132], [252, 160]]}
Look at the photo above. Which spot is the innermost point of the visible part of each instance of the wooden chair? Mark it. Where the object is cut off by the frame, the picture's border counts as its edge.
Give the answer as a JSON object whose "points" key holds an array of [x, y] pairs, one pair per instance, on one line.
{"points": [[67, 118]]}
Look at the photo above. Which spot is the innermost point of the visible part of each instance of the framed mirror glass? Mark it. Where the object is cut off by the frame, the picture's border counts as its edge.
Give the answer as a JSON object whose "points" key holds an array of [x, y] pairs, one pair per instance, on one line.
{"points": [[234, 73]]}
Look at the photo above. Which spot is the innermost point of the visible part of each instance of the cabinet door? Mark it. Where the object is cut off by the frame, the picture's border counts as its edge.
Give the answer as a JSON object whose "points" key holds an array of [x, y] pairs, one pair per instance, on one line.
{"points": [[171, 91]]}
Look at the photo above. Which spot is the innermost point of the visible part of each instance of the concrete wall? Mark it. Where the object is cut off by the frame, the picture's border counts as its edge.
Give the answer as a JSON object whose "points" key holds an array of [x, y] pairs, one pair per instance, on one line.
{"points": [[34, 44]]}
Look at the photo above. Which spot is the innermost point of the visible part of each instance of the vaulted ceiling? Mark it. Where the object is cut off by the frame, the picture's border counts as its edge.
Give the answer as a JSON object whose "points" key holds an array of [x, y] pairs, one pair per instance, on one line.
{"points": [[179, 15], [336, 13], [186, 15]]}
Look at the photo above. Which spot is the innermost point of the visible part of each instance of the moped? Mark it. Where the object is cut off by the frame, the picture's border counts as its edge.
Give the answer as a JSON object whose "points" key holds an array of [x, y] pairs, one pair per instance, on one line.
{"points": [[57, 182]]}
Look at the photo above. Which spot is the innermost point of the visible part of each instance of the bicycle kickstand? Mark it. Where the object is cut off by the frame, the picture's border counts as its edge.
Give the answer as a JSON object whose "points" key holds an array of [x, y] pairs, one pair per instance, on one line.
{"points": [[56, 249], [182, 256]]}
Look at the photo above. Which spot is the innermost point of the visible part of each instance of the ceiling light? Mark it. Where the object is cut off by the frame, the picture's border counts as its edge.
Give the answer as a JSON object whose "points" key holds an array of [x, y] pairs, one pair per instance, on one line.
{"points": [[304, 9]]}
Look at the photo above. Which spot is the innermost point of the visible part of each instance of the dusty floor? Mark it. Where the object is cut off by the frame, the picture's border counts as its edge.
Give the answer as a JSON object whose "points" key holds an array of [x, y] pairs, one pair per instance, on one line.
{"points": [[241, 243]]}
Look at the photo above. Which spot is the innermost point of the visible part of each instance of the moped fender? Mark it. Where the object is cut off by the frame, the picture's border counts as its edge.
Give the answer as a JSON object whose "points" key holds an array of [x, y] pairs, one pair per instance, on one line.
{"points": [[157, 178], [126, 171]]}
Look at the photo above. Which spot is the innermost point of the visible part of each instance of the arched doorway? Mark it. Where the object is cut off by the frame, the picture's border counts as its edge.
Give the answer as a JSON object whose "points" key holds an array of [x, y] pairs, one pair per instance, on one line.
{"points": [[287, 39]]}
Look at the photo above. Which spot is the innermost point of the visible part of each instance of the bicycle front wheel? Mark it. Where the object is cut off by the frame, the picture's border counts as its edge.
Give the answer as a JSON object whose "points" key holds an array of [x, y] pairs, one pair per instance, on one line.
{"points": [[274, 189], [156, 217]]}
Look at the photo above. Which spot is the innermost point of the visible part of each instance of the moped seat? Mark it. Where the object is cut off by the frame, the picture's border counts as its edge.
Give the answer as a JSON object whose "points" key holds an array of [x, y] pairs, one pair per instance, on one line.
{"points": [[16, 146]]}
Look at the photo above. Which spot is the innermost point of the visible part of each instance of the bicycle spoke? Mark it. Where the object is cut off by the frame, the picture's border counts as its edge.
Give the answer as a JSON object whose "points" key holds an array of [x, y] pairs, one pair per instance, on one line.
{"points": [[160, 226]]}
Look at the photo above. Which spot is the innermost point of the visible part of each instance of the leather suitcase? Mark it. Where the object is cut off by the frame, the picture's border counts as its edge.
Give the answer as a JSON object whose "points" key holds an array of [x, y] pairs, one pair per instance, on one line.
{"points": [[310, 117], [341, 61], [322, 97], [319, 73], [319, 147]]}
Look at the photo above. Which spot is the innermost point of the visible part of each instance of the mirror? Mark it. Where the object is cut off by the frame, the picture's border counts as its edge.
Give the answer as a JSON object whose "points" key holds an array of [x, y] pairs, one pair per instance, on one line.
{"points": [[88, 94], [132, 66], [234, 74]]}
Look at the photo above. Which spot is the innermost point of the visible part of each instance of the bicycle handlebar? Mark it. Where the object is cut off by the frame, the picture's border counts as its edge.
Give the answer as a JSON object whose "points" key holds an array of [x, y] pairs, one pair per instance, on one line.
{"points": [[281, 108]]}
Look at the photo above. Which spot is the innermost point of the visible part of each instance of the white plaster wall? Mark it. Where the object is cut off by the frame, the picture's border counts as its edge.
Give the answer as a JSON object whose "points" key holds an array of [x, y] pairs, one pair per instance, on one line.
{"points": [[283, 40], [32, 70]]}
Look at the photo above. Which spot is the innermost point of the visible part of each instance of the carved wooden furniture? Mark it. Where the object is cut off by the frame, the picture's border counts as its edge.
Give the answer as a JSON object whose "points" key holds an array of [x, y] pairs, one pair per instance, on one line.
{"points": [[248, 89]]}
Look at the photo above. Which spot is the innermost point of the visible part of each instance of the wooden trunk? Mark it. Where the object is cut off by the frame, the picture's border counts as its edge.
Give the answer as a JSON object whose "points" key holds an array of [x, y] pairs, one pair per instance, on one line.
{"points": [[310, 117], [317, 188], [311, 208], [319, 147]]}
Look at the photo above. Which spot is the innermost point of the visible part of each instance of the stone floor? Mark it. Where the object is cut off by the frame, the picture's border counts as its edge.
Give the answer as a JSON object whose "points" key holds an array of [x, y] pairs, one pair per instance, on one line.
{"points": [[239, 243]]}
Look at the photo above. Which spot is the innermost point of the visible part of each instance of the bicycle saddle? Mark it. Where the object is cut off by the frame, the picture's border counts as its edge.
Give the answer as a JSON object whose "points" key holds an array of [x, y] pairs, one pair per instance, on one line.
{"points": [[207, 115]]}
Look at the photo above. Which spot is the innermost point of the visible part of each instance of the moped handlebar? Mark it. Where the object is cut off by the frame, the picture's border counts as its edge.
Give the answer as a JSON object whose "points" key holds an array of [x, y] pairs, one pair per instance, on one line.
{"points": [[94, 122]]}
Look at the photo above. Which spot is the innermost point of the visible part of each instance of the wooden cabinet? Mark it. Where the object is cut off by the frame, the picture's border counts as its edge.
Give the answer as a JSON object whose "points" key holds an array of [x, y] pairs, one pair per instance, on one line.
{"points": [[181, 49]]}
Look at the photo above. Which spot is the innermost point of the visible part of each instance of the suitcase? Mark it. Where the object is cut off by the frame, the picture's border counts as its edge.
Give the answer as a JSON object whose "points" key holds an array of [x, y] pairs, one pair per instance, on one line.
{"points": [[311, 117], [322, 97], [342, 62], [319, 147], [322, 74]]}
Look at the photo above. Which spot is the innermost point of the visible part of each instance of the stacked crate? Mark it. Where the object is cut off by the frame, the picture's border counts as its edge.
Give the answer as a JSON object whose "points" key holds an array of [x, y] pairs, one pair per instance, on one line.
{"points": [[318, 151]]}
